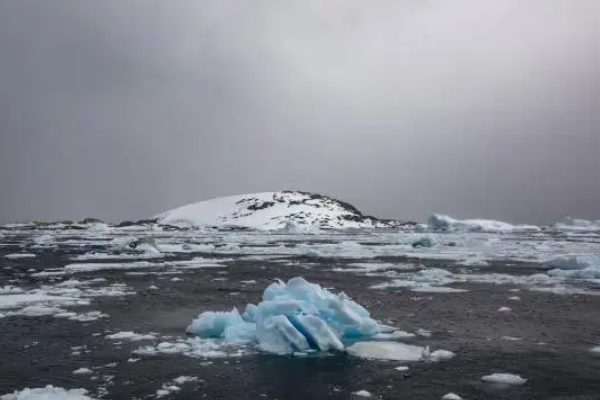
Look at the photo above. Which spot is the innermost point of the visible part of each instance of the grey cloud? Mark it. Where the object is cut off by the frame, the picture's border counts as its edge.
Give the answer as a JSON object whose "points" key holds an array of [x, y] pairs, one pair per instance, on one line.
{"points": [[121, 109]]}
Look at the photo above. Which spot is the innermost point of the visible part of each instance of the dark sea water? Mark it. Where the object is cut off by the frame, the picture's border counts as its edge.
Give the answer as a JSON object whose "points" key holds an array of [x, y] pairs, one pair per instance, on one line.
{"points": [[556, 333]]}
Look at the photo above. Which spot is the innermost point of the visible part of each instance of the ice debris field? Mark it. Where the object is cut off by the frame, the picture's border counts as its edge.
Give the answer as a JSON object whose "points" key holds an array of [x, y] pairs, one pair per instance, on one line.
{"points": [[224, 288]]}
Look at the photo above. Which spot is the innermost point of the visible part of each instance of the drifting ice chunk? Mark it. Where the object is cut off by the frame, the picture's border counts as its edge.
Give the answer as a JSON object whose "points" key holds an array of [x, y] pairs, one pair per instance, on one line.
{"points": [[504, 379], [574, 262], [387, 351], [134, 337], [43, 241], [296, 316], [213, 324], [83, 371], [575, 267], [451, 396], [48, 393], [441, 355]]}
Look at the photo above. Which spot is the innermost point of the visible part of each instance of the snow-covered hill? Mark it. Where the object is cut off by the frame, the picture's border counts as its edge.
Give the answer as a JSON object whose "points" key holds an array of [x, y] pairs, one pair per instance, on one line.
{"points": [[289, 210]]}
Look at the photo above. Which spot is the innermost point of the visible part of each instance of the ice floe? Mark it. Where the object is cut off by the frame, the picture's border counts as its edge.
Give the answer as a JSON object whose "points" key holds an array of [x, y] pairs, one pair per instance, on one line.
{"points": [[425, 280], [195, 347], [17, 256], [451, 396], [586, 267], [440, 355], [47, 393], [363, 393], [132, 336], [393, 351], [52, 300], [503, 378], [83, 371]]}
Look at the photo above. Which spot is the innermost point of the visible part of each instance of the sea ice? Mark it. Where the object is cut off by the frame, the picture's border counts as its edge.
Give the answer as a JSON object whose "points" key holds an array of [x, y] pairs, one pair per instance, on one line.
{"points": [[134, 337], [440, 355], [184, 379], [19, 255], [296, 316], [437, 289], [387, 351], [570, 262], [194, 347], [424, 281], [575, 267], [504, 379], [43, 241], [451, 396], [47, 393], [83, 371]]}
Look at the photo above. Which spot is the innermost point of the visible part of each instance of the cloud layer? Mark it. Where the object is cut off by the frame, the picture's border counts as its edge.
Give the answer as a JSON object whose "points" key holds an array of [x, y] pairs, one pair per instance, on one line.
{"points": [[121, 109]]}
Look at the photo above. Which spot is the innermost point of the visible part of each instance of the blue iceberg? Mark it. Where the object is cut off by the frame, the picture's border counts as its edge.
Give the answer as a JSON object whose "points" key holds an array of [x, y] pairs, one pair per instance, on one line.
{"points": [[297, 316]]}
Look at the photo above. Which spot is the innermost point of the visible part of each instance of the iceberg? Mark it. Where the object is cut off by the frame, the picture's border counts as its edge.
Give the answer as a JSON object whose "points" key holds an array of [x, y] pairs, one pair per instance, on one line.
{"points": [[574, 224], [444, 223], [574, 266], [297, 316]]}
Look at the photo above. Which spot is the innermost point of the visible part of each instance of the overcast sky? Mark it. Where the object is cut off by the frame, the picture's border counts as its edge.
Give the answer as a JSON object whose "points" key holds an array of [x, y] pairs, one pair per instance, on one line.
{"points": [[121, 109]]}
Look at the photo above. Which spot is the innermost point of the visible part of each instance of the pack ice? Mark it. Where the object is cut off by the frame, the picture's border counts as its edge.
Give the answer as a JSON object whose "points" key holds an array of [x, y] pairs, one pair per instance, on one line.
{"points": [[297, 316]]}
